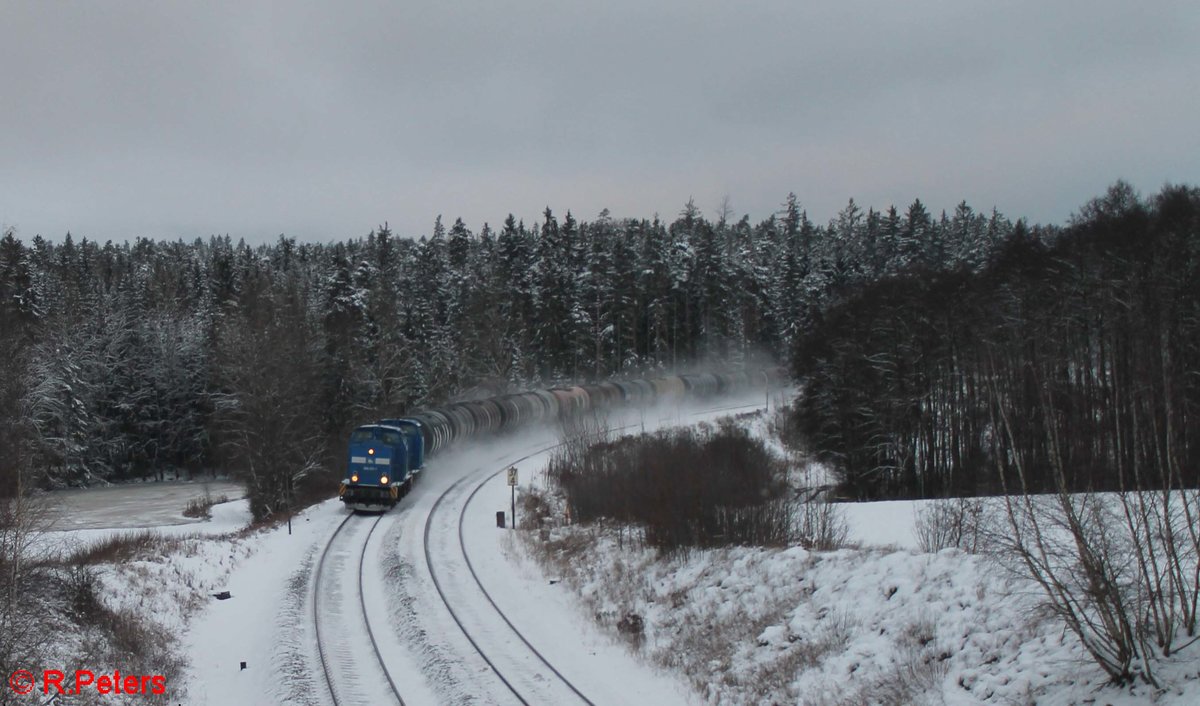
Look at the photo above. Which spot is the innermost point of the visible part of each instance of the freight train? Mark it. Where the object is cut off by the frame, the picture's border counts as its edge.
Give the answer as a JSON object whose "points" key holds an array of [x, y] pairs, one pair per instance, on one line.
{"points": [[385, 457]]}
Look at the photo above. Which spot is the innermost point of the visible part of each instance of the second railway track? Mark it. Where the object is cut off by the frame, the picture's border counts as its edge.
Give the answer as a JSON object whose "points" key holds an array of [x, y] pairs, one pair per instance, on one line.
{"points": [[525, 690], [497, 652], [346, 641]]}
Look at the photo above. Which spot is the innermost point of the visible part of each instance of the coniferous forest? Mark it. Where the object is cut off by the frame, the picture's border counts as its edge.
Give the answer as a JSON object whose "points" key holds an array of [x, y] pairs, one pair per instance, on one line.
{"points": [[930, 347], [1069, 363]]}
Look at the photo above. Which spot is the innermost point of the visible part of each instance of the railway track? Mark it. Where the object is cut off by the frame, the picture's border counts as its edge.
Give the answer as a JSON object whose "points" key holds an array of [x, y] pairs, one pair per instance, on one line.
{"points": [[475, 577], [524, 692], [349, 644], [341, 620]]}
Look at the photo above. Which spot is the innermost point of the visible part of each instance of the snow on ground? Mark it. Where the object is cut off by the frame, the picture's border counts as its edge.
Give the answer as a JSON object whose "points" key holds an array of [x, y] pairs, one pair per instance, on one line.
{"points": [[879, 623], [76, 519], [257, 625], [134, 505], [883, 524], [172, 586], [125, 596], [267, 623]]}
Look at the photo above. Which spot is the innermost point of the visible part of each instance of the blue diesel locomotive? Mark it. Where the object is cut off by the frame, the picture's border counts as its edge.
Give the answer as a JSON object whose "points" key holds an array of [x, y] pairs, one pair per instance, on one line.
{"points": [[384, 459]]}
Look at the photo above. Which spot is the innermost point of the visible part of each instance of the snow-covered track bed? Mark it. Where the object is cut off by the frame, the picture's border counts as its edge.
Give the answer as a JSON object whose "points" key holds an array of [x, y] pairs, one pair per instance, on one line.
{"points": [[346, 642], [520, 667]]}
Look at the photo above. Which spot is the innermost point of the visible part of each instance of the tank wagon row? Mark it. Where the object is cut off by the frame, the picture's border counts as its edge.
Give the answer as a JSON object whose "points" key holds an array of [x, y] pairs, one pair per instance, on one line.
{"points": [[385, 457]]}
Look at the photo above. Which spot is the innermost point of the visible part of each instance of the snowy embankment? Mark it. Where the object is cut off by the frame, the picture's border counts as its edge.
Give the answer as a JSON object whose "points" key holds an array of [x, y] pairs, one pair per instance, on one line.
{"points": [[168, 570], [169, 587], [184, 560], [851, 626], [877, 622], [118, 574]]}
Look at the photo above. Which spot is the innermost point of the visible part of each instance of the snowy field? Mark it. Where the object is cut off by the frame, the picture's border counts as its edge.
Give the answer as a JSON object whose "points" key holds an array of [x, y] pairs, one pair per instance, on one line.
{"points": [[880, 622], [134, 505]]}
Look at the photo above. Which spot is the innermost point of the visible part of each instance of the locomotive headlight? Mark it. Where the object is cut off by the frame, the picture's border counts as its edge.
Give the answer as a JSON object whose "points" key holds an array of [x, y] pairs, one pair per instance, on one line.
{"points": [[370, 452], [383, 480], [354, 478]]}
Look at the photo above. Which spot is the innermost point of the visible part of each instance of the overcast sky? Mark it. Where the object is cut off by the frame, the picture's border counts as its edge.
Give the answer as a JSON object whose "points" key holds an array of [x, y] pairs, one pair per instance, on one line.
{"points": [[322, 119]]}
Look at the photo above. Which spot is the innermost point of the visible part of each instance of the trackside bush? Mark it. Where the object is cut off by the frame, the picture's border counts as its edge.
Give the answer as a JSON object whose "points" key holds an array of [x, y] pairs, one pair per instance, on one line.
{"points": [[684, 488]]}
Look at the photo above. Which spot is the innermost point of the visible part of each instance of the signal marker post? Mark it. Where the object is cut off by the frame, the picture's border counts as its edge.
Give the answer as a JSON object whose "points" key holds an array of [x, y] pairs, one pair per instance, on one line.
{"points": [[512, 484]]}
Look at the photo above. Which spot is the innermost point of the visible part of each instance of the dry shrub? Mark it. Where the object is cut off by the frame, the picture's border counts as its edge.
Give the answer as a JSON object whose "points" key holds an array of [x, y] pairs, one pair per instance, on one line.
{"points": [[83, 592], [202, 507], [915, 677], [950, 523], [706, 646], [535, 509], [823, 525], [829, 638], [632, 627], [29, 619], [562, 550], [120, 636], [43, 600], [1120, 571], [685, 488], [784, 426]]}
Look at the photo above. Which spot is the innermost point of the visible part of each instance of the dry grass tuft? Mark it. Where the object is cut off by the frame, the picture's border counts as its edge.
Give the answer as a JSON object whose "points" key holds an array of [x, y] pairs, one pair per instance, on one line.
{"points": [[202, 507], [123, 547]]}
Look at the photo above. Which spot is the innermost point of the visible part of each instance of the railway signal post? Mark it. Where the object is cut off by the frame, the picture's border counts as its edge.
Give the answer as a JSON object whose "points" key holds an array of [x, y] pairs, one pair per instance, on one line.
{"points": [[512, 485]]}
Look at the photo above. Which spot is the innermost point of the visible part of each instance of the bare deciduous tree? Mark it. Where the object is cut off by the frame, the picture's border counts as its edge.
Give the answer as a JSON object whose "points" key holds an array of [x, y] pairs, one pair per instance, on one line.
{"points": [[25, 635], [271, 420]]}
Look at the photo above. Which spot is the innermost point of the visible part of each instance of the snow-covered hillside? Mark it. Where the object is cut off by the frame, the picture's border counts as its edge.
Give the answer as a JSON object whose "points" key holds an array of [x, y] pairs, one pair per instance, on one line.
{"points": [[878, 621]]}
